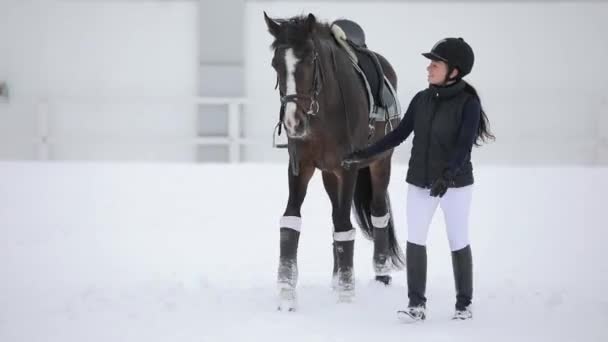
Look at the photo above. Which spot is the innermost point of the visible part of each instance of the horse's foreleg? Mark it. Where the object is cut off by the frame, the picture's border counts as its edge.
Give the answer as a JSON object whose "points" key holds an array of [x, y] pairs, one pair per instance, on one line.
{"points": [[380, 217], [290, 225], [344, 236]]}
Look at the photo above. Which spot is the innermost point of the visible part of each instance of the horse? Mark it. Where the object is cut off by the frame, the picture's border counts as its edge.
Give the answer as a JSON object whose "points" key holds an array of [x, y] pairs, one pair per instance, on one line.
{"points": [[324, 111]]}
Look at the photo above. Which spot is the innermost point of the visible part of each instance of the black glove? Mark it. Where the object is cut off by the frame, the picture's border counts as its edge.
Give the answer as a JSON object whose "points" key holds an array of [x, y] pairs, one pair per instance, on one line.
{"points": [[440, 185], [355, 157]]}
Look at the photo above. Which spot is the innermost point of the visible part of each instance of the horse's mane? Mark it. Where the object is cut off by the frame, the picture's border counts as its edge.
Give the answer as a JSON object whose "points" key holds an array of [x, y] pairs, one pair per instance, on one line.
{"points": [[296, 31]]}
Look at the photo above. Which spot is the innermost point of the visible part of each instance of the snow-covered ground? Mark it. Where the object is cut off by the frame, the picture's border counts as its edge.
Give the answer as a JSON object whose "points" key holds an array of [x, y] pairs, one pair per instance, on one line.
{"points": [[178, 252]]}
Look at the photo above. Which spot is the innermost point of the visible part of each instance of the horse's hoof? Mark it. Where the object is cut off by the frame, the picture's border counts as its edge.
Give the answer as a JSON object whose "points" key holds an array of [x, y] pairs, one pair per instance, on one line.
{"points": [[287, 300], [334, 282], [286, 308], [346, 296], [384, 279]]}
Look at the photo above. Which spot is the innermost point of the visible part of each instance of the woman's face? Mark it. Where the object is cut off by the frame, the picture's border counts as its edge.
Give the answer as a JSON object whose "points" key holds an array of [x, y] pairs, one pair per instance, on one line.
{"points": [[437, 71]]}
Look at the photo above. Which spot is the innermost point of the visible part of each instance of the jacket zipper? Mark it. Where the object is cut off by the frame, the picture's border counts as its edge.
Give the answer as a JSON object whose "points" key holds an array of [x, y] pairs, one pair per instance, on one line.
{"points": [[428, 145]]}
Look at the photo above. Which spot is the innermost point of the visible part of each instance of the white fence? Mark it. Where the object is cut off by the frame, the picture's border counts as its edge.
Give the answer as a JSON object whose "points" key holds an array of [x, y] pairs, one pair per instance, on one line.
{"points": [[592, 150], [46, 138]]}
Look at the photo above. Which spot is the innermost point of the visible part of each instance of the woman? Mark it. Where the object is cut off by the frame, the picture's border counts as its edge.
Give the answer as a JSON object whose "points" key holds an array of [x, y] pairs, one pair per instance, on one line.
{"points": [[447, 119]]}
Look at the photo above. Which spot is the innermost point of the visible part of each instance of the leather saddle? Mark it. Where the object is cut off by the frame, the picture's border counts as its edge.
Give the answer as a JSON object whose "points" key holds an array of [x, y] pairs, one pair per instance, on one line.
{"points": [[384, 104]]}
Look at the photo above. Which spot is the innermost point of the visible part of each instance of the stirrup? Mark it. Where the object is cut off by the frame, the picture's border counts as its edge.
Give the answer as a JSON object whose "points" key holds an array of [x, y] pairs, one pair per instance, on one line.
{"points": [[274, 136]]}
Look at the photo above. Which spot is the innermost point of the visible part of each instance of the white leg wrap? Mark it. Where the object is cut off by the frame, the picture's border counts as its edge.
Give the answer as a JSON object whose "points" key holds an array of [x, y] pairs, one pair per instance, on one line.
{"points": [[291, 222], [380, 221], [345, 236]]}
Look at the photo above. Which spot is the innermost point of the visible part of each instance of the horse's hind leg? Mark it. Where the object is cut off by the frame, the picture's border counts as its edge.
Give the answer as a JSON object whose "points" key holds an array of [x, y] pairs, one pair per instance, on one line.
{"points": [[380, 216], [330, 182], [291, 221], [340, 188]]}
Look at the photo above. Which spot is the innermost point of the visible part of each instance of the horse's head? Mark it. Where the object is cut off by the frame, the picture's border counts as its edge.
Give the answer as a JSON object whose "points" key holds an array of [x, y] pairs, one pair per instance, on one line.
{"points": [[296, 62]]}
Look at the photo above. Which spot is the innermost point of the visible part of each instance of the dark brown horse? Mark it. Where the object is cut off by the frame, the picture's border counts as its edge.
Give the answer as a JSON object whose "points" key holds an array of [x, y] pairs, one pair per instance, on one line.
{"points": [[325, 113]]}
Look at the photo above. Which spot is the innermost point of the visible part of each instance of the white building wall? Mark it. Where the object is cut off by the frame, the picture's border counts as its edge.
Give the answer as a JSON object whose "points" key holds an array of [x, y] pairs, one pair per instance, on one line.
{"points": [[114, 76], [538, 70]]}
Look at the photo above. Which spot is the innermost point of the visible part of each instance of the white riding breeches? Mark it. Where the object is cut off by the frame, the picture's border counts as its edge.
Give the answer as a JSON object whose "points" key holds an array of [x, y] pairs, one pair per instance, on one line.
{"points": [[455, 204]]}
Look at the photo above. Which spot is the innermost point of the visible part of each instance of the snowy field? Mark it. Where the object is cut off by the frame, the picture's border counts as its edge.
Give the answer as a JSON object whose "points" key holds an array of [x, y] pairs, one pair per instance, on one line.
{"points": [[179, 252]]}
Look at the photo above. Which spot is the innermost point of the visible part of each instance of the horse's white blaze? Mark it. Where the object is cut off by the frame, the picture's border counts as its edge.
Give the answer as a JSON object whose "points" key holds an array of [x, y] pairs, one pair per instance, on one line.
{"points": [[290, 108]]}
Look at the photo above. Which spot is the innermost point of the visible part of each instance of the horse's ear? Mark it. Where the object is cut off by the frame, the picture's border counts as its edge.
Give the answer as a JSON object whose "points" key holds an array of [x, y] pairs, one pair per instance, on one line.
{"points": [[310, 22], [273, 26]]}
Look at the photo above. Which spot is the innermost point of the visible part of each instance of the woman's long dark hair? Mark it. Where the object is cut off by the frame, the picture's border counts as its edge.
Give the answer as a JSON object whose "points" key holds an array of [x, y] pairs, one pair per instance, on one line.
{"points": [[483, 131]]}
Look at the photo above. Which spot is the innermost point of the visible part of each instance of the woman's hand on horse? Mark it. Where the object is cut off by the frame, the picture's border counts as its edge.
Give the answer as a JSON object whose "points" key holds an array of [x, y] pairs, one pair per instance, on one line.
{"points": [[353, 158]]}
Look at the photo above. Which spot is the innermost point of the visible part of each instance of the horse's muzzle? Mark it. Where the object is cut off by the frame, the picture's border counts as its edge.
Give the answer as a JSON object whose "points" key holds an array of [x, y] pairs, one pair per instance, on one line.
{"points": [[300, 130]]}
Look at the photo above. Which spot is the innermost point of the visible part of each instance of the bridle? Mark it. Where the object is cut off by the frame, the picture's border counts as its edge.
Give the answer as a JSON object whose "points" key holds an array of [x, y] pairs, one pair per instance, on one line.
{"points": [[312, 97]]}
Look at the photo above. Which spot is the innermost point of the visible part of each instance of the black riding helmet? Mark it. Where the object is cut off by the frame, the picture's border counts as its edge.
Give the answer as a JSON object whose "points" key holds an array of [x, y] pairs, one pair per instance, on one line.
{"points": [[456, 53]]}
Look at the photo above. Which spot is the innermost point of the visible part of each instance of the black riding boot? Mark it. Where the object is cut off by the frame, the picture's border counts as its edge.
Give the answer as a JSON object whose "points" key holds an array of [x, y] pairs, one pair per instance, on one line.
{"points": [[462, 263], [415, 257]]}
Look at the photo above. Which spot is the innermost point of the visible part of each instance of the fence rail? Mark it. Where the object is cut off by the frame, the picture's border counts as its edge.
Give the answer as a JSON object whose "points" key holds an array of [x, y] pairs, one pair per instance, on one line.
{"points": [[233, 140]]}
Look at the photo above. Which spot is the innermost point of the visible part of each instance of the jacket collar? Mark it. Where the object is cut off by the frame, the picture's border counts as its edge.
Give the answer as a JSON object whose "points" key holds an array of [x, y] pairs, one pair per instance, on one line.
{"points": [[447, 91]]}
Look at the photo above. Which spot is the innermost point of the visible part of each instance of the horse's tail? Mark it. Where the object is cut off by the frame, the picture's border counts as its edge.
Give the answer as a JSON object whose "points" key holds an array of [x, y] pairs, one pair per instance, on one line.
{"points": [[362, 207]]}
